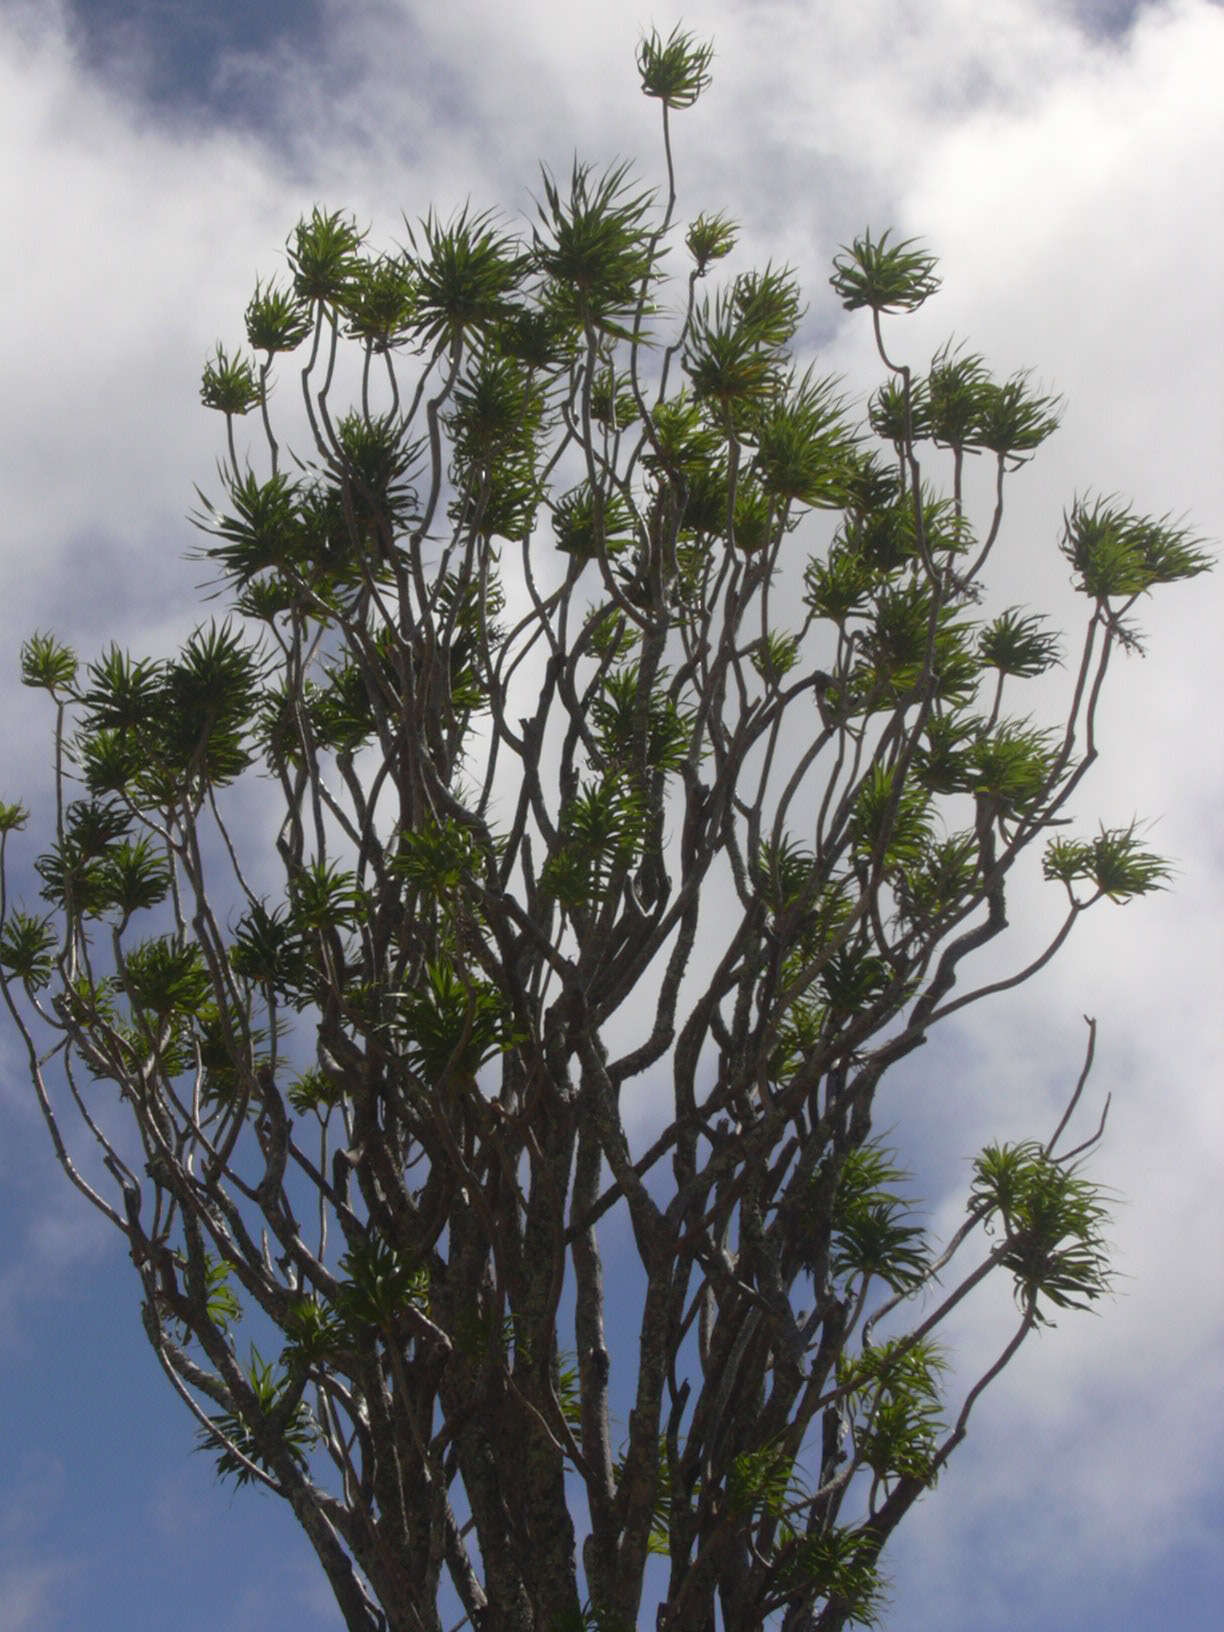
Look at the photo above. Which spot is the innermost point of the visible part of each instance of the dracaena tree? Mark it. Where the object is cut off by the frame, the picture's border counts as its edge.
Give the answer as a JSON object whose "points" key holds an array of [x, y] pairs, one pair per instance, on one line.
{"points": [[642, 769]]}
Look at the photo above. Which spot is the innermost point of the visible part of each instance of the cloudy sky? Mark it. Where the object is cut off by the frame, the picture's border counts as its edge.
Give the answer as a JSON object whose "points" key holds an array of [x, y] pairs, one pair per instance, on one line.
{"points": [[1064, 158]]}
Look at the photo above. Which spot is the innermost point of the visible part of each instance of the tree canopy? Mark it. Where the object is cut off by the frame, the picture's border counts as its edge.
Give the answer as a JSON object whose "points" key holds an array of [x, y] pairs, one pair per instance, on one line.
{"points": [[607, 767]]}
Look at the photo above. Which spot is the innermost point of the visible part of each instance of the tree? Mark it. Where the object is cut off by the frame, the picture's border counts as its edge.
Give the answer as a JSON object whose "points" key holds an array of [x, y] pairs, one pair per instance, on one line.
{"points": [[645, 789]]}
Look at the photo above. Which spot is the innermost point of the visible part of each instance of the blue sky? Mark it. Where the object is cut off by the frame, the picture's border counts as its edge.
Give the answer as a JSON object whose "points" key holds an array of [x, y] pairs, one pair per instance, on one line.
{"points": [[1064, 159]]}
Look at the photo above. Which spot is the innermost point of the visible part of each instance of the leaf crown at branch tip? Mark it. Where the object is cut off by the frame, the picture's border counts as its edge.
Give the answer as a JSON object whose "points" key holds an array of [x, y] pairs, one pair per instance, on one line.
{"points": [[674, 71], [885, 277]]}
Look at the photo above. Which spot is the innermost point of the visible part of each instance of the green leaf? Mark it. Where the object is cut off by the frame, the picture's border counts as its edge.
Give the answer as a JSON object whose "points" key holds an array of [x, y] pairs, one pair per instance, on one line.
{"points": [[784, 872], [658, 1543], [13, 817], [1053, 1226], [85, 1003], [1116, 553], [276, 320], [601, 831], [904, 660], [439, 858], [27, 948], [1014, 643], [870, 1236], [313, 1091], [726, 360], [450, 1026], [315, 1333], [632, 720], [265, 600], [466, 274], [569, 1393], [1011, 764], [468, 610], [759, 1481], [162, 977], [541, 337], [221, 1306], [92, 826], [943, 759], [324, 895], [588, 523], [898, 417], [871, 483], [710, 238], [679, 441], [932, 892], [230, 384], [1013, 421], [379, 302], [134, 876], [839, 1565], [886, 277], [225, 1046], [838, 587], [611, 404], [804, 443], [379, 1283], [323, 255], [375, 463], [278, 1415], [74, 871], [768, 306], [897, 823], [896, 1398], [883, 539], [341, 712], [1114, 862], [593, 245], [953, 398], [263, 532], [111, 760], [210, 692], [774, 656], [48, 663], [854, 980], [674, 70], [496, 411], [267, 948], [502, 501], [125, 694]]}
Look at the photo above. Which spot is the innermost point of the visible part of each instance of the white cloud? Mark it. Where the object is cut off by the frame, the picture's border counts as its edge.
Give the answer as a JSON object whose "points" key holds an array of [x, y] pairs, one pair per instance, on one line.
{"points": [[139, 246], [29, 1596], [34, 1492], [35, 1586]]}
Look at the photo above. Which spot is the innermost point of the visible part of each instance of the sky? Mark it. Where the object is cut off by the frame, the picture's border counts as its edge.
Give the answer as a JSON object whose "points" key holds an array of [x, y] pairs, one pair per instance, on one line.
{"points": [[1064, 160]]}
